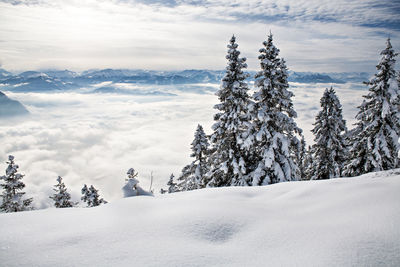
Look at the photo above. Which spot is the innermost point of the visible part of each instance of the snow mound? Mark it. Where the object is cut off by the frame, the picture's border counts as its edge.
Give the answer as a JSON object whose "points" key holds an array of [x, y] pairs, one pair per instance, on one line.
{"points": [[337, 222]]}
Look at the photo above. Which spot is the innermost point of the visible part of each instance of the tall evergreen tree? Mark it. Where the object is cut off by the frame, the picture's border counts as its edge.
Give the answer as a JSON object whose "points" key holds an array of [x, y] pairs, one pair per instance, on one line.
{"points": [[229, 159], [62, 199], [91, 196], [375, 145], [272, 136], [329, 150], [12, 197], [194, 175]]}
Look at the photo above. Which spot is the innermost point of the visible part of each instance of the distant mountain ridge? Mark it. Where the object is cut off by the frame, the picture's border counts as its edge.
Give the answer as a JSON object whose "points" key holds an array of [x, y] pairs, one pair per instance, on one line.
{"points": [[153, 77], [10, 107], [310, 77], [4, 74], [51, 80], [61, 73], [35, 81]]}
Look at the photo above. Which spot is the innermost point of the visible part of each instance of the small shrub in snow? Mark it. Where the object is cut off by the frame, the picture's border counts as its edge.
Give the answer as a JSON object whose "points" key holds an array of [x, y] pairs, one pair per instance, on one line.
{"points": [[91, 196], [172, 186], [62, 199], [132, 188]]}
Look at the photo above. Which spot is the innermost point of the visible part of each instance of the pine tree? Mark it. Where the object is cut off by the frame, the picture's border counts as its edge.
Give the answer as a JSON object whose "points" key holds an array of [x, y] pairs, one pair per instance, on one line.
{"points": [[172, 186], [194, 175], [85, 195], [308, 164], [12, 198], [375, 146], [329, 150], [91, 196], [301, 160], [229, 159], [398, 80], [273, 133], [62, 199]]}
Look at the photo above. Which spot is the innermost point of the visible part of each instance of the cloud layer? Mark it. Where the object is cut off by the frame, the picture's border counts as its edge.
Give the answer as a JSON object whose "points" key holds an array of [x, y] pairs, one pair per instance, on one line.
{"points": [[312, 35], [96, 138]]}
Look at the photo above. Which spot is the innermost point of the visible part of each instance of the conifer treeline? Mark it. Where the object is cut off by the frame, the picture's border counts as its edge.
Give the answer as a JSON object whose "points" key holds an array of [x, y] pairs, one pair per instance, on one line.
{"points": [[12, 199], [12, 196], [255, 140]]}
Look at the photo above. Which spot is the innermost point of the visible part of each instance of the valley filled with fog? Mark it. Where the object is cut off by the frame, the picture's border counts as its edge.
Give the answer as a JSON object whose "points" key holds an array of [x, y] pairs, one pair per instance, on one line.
{"points": [[94, 137]]}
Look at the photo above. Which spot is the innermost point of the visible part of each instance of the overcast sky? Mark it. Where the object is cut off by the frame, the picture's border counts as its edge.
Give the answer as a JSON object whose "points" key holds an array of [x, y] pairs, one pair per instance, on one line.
{"points": [[313, 35]]}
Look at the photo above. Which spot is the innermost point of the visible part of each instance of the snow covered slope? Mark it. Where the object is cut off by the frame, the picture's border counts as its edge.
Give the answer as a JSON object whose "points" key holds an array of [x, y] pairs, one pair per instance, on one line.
{"points": [[338, 222]]}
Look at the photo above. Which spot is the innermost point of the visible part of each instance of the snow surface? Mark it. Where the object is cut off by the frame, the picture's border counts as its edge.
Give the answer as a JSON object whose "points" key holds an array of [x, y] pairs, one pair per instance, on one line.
{"points": [[337, 222]]}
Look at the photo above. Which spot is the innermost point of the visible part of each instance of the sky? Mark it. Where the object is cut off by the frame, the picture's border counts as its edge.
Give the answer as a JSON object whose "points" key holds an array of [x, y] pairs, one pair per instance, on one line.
{"points": [[313, 35]]}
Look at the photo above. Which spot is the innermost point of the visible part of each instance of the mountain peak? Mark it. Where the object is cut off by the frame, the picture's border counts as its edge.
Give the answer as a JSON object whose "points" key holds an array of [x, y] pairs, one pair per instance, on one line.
{"points": [[33, 74]]}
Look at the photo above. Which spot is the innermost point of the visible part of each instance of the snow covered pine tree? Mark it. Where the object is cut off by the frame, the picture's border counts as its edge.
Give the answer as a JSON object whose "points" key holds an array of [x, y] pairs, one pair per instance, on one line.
{"points": [[172, 186], [91, 196], [62, 199], [272, 136], [308, 164], [329, 150], [194, 175], [12, 199], [374, 146], [132, 188], [302, 160], [229, 158]]}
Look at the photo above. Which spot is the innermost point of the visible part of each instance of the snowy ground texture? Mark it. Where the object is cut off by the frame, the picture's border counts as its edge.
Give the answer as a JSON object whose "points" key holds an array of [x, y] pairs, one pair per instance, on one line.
{"points": [[338, 222]]}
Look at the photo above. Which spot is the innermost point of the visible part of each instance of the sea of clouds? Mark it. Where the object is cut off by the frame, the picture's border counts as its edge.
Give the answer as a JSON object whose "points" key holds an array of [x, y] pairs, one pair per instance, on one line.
{"points": [[95, 138]]}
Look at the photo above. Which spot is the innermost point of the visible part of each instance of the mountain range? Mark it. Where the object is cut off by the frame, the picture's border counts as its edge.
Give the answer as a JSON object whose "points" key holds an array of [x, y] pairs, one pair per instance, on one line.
{"points": [[52, 80]]}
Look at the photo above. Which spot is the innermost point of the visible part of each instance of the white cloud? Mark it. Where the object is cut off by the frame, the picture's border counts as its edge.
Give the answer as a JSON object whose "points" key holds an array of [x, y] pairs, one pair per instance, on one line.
{"points": [[96, 138], [312, 35]]}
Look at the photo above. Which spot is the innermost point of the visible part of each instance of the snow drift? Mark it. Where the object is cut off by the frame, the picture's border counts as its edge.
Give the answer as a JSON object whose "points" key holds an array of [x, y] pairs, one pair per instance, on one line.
{"points": [[337, 222]]}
